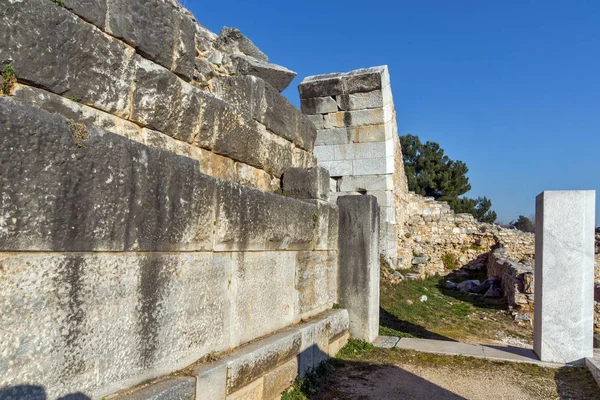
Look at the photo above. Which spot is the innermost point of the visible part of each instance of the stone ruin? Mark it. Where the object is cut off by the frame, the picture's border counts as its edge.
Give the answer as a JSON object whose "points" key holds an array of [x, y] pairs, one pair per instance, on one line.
{"points": [[167, 216]]}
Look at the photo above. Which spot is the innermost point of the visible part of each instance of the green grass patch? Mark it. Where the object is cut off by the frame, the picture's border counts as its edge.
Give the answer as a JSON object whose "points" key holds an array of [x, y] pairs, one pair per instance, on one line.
{"points": [[447, 314]]}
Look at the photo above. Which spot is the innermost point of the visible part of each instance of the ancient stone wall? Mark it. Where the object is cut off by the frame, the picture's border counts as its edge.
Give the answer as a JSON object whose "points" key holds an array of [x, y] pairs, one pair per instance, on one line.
{"points": [[139, 230], [434, 235], [357, 141]]}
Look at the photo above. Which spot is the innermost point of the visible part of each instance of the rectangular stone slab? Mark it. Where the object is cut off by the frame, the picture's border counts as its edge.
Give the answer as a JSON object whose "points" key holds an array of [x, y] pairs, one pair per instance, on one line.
{"points": [[564, 275]]}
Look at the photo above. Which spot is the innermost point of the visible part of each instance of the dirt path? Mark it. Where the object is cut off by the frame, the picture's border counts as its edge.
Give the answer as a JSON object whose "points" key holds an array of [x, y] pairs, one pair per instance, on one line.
{"points": [[413, 376]]}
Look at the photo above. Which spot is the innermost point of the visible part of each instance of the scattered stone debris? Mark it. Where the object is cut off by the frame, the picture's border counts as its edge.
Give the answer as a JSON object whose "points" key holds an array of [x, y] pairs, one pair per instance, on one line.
{"points": [[423, 299]]}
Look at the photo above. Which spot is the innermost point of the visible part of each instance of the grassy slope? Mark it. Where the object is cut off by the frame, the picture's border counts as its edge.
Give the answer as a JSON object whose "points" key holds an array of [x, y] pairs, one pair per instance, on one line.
{"points": [[447, 314]]}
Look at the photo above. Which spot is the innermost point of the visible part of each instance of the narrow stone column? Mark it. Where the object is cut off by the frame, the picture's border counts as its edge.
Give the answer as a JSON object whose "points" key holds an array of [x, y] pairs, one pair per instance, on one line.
{"points": [[358, 273], [564, 275]]}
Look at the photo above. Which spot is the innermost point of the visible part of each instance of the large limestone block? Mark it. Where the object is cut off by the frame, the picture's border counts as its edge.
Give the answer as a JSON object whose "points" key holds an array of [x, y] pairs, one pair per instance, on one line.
{"points": [[373, 166], [306, 183], [77, 112], [93, 11], [97, 191], [366, 182], [263, 294], [77, 60], [164, 102], [278, 380], [358, 284], [319, 105], [249, 219], [316, 281], [371, 133], [338, 168], [181, 388], [361, 80], [376, 116], [277, 76], [155, 28], [245, 93], [564, 275], [255, 360], [98, 323], [258, 100], [331, 136], [361, 101]]}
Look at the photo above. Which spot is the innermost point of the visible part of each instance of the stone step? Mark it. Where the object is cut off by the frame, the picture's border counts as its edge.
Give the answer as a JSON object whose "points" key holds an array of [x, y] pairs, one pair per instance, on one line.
{"points": [[259, 370]]}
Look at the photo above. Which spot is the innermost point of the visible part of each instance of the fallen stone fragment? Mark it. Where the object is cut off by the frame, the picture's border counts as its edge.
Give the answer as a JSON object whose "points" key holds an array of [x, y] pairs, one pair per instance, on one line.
{"points": [[423, 299], [493, 292], [468, 286], [279, 77], [419, 260], [451, 285]]}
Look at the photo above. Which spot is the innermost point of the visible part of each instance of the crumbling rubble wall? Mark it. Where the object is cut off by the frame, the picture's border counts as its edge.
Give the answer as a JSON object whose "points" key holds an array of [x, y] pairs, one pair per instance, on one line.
{"points": [[141, 225]]}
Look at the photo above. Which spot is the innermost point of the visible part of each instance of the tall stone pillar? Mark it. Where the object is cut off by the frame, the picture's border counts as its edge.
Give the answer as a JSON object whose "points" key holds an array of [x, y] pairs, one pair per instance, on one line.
{"points": [[358, 257], [357, 141], [564, 276]]}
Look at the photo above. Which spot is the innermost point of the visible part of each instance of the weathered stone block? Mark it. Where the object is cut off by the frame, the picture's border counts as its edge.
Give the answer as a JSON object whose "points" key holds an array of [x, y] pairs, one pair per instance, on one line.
{"points": [[331, 136], [564, 275], [277, 154], [248, 219], [277, 76], [96, 191], [255, 360], [280, 379], [337, 168], [374, 116], [263, 294], [325, 153], [358, 284], [366, 79], [316, 280], [231, 40], [306, 183], [77, 112], [99, 73], [180, 388], [373, 166], [366, 182], [371, 133], [93, 11], [253, 391], [211, 380], [184, 56], [338, 344], [139, 313], [153, 28], [245, 93], [163, 102], [319, 105], [360, 101], [317, 120], [321, 86]]}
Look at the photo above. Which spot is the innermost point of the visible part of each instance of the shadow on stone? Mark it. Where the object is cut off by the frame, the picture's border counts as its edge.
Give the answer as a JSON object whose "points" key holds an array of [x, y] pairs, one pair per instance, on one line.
{"points": [[390, 321], [34, 392]]}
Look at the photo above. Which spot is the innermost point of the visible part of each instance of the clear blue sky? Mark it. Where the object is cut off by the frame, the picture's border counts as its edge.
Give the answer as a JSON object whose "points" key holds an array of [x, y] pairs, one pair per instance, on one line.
{"points": [[510, 87]]}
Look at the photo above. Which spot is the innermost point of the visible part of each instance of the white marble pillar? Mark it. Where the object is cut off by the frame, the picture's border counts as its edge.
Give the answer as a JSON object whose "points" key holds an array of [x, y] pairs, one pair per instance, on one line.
{"points": [[564, 275]]}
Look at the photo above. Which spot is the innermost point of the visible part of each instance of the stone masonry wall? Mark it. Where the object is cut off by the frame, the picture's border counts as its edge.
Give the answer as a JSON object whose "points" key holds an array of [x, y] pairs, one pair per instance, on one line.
{"points": [[357, 141], [147, 70], [433, 232], [139, 231]]}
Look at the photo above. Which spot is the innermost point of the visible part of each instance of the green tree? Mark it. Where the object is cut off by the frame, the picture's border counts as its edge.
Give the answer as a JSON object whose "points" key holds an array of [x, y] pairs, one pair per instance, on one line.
{"points": [[523, 224], [431, 173]]}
